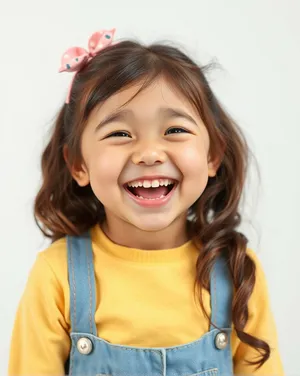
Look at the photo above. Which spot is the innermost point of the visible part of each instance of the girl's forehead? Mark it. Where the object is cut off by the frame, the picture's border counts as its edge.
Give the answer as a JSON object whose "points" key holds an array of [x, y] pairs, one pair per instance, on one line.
{"points": [[159, 93]]}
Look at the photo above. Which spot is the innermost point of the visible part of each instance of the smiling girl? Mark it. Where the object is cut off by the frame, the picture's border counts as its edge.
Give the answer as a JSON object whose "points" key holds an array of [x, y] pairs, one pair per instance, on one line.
{"points": [[147, 274]]}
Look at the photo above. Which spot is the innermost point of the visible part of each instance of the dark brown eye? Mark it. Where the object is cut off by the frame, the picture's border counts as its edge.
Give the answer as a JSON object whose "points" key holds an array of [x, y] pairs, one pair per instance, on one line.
{"points": [[176, 130], [118, 134]]}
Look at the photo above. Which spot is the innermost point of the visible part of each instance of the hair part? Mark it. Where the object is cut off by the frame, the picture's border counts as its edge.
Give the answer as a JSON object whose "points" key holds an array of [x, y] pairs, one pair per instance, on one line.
{"points": [[62, 207]]}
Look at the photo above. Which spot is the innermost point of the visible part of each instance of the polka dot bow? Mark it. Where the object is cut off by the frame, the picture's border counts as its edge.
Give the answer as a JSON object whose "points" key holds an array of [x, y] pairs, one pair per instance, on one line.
{"points": [[75, 58]]}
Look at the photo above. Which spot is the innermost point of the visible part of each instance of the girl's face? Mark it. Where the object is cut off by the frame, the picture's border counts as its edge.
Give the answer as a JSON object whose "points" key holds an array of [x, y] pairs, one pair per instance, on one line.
{"points": [[146, 161]]}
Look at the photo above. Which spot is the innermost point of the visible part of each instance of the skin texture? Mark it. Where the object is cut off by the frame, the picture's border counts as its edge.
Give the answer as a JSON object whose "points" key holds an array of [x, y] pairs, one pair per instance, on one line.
{"points": [[145, 139]]}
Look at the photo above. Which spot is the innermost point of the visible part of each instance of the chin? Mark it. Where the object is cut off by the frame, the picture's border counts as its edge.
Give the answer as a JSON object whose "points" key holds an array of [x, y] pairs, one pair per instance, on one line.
{"points": [[152, 225]]}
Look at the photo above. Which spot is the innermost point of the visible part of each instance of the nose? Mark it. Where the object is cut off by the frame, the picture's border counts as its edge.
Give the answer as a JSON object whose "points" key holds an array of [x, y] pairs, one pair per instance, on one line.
{"points": [[148, 155]]}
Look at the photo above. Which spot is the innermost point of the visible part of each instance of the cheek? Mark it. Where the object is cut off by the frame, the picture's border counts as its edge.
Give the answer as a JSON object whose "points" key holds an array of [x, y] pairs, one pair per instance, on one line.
{"points": [[192, 161], [104, 169]]}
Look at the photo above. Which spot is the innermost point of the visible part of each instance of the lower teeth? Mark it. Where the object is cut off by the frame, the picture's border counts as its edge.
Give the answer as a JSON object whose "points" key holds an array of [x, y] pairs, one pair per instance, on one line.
{"points": [[151, 199]]}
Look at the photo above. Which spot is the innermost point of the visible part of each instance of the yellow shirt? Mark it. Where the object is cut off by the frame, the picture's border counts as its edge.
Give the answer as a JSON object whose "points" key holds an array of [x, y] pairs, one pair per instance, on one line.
{"points": [[143, 299]]}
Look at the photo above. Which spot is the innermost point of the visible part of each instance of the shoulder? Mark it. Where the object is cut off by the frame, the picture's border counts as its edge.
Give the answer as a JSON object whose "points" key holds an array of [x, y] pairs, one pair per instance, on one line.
{"points": [[50, 266], [259, 270], [45, 298], [55, 256], [259, 299], [253, 255], [47, 284]]}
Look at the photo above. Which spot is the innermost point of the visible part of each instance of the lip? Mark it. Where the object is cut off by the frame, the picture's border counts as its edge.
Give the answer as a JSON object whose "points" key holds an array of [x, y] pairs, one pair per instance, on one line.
{"points": [[152, 203]]}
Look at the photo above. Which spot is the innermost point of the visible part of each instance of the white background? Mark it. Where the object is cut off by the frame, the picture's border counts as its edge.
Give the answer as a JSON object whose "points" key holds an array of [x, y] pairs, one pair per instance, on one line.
{"points": [[257, 44]]}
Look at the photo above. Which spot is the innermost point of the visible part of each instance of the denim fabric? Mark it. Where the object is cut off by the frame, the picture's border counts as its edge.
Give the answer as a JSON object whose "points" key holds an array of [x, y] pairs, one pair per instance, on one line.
{"points": [[201, 357]]}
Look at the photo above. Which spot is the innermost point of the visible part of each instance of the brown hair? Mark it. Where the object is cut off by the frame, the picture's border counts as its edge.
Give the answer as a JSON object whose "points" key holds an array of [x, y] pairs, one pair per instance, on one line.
{"points": [[62, 207]]}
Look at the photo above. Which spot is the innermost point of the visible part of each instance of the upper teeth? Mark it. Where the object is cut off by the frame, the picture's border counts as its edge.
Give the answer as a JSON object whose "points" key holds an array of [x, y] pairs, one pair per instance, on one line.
{"points": [[150, 183]]}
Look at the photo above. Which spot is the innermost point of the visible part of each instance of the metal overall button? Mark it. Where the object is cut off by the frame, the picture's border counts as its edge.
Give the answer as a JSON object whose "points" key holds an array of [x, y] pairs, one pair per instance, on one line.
{"points": [[84, 346], [221, 340]]}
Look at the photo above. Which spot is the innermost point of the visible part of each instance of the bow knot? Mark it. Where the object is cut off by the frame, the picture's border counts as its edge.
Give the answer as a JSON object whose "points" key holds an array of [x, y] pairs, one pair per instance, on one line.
{"points": [[75, 58]]}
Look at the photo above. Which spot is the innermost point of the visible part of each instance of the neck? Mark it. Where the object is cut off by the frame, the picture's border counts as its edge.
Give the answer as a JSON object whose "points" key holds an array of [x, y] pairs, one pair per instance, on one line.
{"points": [[127, 235]]}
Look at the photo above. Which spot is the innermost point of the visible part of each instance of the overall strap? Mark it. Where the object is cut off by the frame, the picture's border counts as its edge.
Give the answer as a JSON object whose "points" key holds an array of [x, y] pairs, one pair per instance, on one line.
{"points": [[221, 294], [82, 284]]}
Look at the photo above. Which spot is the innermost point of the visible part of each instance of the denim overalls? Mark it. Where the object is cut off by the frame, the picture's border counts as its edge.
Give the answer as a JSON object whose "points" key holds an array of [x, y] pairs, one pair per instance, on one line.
{"points": [[90, 355]]}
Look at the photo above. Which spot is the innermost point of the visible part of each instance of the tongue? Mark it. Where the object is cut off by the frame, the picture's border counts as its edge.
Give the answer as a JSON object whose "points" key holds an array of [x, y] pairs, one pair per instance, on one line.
{"points": [[151, 192]]}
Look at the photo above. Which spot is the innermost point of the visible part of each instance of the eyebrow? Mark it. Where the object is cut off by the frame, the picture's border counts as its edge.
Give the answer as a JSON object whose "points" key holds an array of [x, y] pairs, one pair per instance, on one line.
{"points": [[118, 115], [166, 112], [171, 113]]}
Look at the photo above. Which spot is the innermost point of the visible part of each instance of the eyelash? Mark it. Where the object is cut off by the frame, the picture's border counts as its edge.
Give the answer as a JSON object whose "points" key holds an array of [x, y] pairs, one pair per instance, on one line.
{"points": [[182, 130], [117, 134]]}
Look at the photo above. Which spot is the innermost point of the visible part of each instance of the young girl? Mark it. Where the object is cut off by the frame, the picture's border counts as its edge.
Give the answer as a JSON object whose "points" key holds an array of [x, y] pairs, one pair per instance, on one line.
{"points": [[147, 274]]}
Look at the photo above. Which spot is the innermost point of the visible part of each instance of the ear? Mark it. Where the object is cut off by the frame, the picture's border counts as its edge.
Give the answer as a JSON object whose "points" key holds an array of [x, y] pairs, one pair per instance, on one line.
{"points": [[213, 165], [79, 172]]}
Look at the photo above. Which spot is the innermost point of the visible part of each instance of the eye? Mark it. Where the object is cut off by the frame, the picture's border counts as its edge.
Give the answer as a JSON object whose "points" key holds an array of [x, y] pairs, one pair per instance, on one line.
{"points": [[176, 130], [118, 134]]}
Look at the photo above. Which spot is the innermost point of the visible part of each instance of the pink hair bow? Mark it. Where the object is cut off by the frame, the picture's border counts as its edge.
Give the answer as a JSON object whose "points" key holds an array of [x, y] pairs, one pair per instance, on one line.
{"points": [[75, 58]]}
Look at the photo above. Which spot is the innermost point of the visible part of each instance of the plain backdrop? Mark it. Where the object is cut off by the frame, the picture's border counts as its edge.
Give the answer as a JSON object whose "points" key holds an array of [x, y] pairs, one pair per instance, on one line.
{"points": [[257, 45]]}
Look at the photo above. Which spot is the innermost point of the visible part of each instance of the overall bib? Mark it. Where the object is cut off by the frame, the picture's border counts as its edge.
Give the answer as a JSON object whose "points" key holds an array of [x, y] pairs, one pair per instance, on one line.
{"points": [[90, 355]]}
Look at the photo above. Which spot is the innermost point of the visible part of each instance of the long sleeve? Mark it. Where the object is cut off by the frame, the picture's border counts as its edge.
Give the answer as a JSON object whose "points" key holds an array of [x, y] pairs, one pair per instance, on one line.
{"points": [[40, 342], [261, 324]]}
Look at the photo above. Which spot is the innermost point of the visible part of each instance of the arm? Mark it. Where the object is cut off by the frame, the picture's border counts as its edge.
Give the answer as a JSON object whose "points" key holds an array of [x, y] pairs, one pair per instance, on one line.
{"points": [[40, 341], [261, 325]]}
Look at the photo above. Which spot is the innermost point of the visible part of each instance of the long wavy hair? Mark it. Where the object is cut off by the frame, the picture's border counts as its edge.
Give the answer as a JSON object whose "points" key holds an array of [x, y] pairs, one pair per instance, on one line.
{"points": [[62, 207]]}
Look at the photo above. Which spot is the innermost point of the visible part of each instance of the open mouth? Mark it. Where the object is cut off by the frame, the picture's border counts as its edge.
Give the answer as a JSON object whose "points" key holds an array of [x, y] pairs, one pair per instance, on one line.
{"points": [[151, 190]]}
